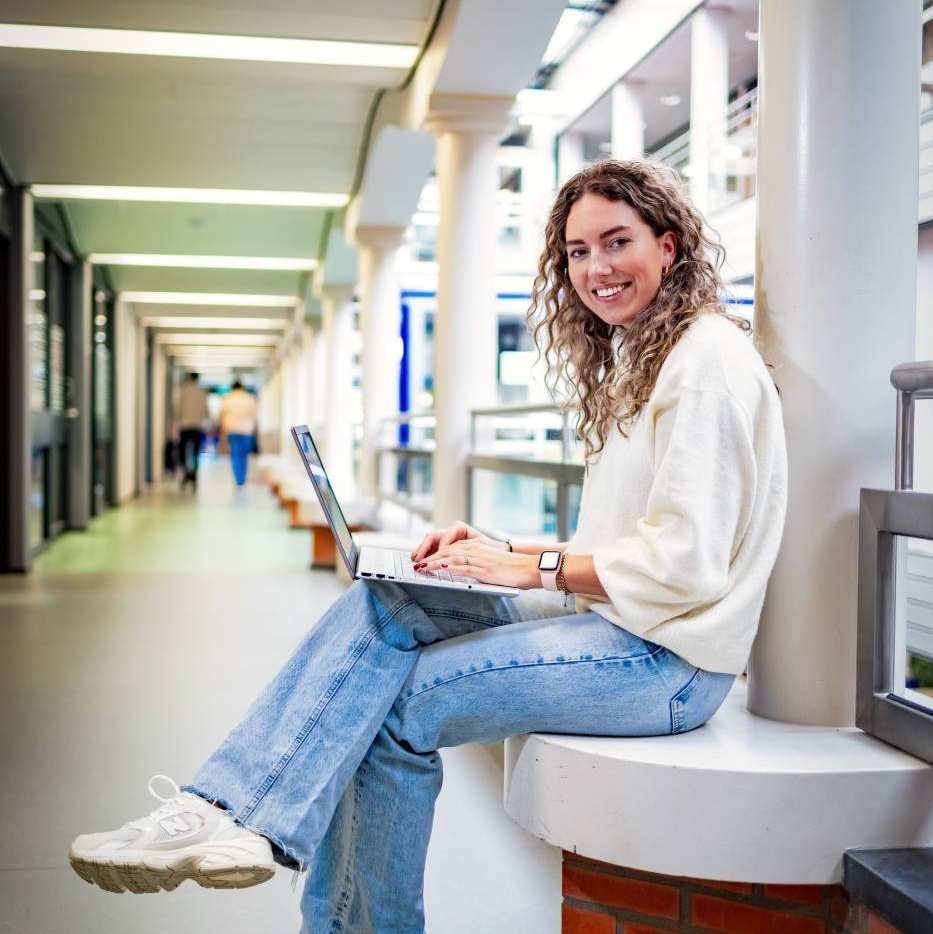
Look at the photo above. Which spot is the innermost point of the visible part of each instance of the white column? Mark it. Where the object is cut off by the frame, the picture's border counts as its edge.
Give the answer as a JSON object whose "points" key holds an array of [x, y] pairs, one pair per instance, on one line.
{"points": [[628, 123], [380, 320], [305, 363], [318, 382], [338, 426], [538, 188], [569, 155], [157, 413], [465, 338], [835, 306], [288, 396], [709, 100]]}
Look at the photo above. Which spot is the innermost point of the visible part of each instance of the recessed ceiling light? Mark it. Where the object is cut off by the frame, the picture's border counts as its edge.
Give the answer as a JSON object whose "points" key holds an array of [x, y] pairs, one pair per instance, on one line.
{"points": [[203, 45], [220, 353], [228, 324], [209, 298], [284, 263], [670, 100], [219, 340], [285, 199]]}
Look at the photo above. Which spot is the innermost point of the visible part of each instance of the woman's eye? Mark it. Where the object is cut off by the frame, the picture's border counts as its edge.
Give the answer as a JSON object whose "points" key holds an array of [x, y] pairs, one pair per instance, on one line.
{"points": [[619, 241], [577, 253]]}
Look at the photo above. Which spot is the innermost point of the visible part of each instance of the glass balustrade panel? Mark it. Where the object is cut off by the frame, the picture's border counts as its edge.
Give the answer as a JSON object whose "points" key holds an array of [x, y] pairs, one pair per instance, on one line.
{"points": [[912, 657]]}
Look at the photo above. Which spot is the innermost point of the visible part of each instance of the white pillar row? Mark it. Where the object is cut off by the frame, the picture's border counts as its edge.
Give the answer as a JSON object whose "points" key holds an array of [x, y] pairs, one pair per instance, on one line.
{"points": [[570, 157], [302, 373], [287, 369], [380, 321], [465, 338], [317, 400], [628, 123], [337, 302], [709, 101], [538, 188], [835, 310]]}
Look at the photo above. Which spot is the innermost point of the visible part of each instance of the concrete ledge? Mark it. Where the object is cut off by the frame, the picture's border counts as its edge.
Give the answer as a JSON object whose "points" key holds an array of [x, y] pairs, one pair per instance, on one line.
{"points": [[741, 799]]}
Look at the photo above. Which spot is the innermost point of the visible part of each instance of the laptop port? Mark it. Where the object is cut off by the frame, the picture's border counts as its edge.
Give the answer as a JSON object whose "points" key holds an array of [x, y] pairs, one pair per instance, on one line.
{"points": [[380, 575], [365, 574]]}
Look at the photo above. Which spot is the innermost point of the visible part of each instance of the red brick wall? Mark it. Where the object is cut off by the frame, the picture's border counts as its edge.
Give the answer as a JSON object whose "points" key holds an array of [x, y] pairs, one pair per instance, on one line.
{"points": [[604, 899]]}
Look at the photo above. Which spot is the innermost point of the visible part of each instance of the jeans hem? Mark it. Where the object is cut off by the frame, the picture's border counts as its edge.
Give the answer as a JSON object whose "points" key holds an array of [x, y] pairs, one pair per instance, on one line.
{"points": [[221, 802]]}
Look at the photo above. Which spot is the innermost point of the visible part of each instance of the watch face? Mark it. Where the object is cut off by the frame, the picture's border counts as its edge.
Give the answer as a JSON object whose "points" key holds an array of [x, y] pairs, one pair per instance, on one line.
{"points": [[549, 561]]}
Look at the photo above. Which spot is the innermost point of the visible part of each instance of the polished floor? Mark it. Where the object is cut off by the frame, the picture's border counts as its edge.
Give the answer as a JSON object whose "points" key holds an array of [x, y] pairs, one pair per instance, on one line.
{"points": [[129, 651]]}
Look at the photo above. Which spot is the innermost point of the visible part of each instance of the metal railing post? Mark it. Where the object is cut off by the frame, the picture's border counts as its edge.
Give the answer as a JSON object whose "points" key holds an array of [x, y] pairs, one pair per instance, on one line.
{"points": [[912, 381]]}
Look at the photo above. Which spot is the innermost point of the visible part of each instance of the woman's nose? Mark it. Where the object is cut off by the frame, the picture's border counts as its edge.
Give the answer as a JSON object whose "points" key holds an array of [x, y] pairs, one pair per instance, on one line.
{"points": [[599, 263]]}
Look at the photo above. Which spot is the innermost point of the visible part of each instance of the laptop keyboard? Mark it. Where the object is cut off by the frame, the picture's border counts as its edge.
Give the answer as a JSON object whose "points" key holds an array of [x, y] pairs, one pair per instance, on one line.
{"points": [[398, 565]]}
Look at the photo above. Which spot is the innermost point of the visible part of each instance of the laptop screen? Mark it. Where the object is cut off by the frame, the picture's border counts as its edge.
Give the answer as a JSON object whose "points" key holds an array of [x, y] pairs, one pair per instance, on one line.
{"points": [[325, 495]]}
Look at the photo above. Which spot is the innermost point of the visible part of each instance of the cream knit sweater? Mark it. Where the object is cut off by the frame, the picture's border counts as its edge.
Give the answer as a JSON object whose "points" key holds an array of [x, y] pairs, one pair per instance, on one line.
{"points": [[684, 516]]}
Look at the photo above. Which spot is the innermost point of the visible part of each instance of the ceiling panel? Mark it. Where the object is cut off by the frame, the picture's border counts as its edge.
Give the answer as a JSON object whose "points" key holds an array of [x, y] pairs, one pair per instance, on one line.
{"points": [[404, 21], [86, 119], [204, 230], [163, 279]]}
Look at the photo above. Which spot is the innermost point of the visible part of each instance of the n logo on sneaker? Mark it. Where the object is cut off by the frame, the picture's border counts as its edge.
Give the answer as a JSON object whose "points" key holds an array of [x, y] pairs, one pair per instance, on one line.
{"points": [[180, 825], [175, 825]]}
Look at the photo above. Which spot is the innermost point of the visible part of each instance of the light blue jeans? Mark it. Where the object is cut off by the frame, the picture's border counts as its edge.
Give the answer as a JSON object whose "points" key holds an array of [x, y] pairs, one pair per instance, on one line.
{"points": [[337, 763]]}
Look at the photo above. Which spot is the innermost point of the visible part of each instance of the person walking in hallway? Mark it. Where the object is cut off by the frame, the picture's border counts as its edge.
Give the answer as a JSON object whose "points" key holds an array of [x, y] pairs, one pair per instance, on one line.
{"points": [[238, 426], [191, 415], [335, 768]]}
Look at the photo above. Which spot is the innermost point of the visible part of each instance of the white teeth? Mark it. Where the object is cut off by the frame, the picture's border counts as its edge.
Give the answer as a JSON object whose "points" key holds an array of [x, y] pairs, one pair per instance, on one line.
{"points": [[610, 291]]}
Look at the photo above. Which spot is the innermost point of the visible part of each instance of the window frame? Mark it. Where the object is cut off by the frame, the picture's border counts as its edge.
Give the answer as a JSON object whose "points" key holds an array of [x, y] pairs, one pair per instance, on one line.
{"points": [[884, 515]]}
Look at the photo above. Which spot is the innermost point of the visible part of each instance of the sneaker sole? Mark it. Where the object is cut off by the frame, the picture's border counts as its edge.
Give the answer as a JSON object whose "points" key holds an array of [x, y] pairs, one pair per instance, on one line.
{"points": [[144, 878]]}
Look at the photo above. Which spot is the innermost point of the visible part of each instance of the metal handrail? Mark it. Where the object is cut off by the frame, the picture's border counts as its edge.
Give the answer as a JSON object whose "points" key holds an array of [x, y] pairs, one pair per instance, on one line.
{"points": [[912, 381], [748, 99], [666, 152], [427, 451], [517, 409], [405, 417]]}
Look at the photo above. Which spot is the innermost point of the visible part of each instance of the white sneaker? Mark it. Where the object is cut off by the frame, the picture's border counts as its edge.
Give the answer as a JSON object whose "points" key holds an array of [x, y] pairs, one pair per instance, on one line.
{"points": [[186, 838]]}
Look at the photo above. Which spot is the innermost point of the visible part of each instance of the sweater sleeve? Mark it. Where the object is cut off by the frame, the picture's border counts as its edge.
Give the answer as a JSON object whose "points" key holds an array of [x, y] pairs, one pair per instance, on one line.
{"points": [[698, 509]]}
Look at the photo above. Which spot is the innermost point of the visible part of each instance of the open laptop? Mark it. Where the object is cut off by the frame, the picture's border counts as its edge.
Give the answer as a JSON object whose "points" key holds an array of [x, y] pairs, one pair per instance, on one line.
{"points": [[370, 561]]}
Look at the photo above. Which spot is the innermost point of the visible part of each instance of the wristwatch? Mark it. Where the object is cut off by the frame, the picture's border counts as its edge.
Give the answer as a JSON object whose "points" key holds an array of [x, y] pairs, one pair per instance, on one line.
{"points": [[549, 565]]}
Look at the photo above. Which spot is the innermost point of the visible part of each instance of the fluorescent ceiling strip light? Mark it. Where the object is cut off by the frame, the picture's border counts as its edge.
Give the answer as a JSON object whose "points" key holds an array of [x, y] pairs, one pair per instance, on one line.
{"points": [[247, 196], [219, 353], [209, 298], [227, 324], [283, 263], [220, 340], [205, 45]]}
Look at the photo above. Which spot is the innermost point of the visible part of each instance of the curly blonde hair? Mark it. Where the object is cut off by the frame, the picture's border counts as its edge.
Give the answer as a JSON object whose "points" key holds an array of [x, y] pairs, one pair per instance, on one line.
{"points": [[611, 371]]}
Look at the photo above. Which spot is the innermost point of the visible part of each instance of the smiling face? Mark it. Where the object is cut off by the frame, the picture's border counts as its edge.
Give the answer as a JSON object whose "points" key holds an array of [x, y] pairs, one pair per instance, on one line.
{"points": [[614, 259]]}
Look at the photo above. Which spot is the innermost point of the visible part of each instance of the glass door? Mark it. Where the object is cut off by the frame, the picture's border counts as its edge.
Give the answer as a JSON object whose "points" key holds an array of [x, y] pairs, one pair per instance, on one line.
{"points": [[47, 311]]}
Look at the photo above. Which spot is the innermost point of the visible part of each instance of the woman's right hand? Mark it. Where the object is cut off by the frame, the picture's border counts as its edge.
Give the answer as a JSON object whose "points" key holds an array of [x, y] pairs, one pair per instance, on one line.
{"points": [[457, 532]]}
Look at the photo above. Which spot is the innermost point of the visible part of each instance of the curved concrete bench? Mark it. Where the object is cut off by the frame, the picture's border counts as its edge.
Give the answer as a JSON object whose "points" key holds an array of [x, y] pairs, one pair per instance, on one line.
{"points": [[741, 799]]}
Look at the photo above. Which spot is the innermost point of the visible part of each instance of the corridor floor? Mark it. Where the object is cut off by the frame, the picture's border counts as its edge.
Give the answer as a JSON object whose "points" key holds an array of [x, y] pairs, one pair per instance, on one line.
{"points": [[131, 650]]}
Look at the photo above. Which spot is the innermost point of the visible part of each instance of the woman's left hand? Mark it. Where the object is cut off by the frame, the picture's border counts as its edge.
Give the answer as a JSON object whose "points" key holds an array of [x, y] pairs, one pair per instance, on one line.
{"points": [[486, 563]]}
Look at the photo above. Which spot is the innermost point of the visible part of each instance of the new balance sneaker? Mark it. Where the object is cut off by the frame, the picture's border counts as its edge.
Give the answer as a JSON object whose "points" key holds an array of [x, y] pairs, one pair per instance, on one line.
{"points": [[186, 838]]}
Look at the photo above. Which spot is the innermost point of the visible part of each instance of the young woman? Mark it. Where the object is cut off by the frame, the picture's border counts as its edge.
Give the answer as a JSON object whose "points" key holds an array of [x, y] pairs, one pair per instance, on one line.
{"points": [[335, 768]]}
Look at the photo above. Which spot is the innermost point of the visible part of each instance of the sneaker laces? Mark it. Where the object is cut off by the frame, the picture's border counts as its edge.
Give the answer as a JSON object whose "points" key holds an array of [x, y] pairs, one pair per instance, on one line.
{"points": [[170, 805]]}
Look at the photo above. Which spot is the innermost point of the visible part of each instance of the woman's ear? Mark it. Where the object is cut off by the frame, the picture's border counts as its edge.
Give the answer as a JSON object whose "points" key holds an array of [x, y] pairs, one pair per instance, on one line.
{"points": [[668, 243]]}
